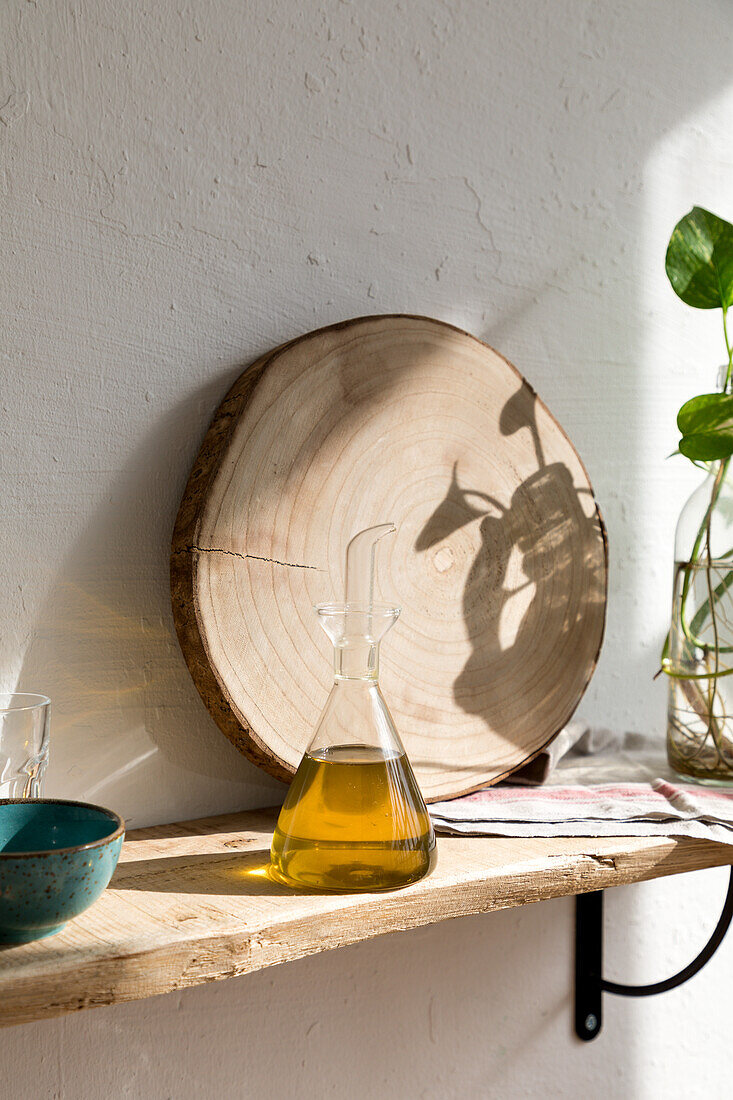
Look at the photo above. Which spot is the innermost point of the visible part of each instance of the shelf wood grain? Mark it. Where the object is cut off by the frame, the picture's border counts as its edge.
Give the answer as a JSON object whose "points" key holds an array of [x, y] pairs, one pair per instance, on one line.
{"points": [[192, 903]]}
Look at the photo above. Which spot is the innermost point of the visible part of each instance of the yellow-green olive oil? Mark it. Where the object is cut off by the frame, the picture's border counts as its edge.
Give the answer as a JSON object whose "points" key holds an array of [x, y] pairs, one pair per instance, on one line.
{"points": [[353, 820]]}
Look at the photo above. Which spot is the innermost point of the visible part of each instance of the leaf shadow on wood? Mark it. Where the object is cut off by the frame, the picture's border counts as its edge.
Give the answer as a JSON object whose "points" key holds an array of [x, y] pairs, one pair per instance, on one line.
{"points": [[534, 594]]}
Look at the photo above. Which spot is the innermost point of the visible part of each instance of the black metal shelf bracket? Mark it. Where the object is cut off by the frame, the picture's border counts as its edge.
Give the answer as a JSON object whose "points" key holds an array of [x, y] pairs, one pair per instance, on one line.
{"points": [[590, 985]]}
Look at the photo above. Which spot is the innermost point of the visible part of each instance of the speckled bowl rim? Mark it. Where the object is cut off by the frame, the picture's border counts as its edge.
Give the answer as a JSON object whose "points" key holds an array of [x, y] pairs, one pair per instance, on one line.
{"points": [[115, 817]]}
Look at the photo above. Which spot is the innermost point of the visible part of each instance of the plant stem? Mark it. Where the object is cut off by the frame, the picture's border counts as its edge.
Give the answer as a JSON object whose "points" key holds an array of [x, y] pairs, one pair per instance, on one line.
{"points": [[695, 555], [729, 349], [698, 621], [712, 685]]}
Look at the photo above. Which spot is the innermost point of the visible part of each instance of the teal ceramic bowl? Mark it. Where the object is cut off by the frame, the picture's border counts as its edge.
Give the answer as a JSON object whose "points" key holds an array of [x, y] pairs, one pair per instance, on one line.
{"points": [[56, 858]]}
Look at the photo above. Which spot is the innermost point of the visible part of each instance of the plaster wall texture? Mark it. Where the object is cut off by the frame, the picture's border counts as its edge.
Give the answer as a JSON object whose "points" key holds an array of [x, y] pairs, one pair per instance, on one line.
{"points": [[186, 184]]}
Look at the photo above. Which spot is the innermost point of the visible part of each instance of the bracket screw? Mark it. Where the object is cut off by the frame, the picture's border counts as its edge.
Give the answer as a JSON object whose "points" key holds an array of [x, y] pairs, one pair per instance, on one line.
{"points": [[591, 1022]]}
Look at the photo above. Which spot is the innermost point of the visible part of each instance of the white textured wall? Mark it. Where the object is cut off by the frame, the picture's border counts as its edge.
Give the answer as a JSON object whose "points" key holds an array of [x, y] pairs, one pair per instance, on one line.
{"points": [[186, 184]]}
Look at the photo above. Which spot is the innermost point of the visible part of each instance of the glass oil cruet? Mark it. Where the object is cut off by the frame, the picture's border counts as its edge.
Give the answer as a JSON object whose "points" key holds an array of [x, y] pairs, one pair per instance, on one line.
{"points": [[354, 818]]}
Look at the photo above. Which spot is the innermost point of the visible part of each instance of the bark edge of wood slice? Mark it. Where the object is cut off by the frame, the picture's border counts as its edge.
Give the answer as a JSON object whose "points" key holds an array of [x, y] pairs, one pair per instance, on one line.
{"points": [[499, 562]]}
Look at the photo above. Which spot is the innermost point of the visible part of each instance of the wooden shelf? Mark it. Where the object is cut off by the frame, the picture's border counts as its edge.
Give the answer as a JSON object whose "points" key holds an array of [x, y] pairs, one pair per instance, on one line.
{"points": [[192, 903]]}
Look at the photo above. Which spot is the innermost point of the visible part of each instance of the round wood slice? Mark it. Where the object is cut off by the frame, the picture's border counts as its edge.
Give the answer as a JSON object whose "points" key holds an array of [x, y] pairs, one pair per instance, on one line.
{"points": [[498, 563]]}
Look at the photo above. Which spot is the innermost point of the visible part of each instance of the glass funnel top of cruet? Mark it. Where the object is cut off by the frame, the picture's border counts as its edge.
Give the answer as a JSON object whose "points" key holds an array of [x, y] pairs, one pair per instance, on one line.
{"points": [[354, 818]]}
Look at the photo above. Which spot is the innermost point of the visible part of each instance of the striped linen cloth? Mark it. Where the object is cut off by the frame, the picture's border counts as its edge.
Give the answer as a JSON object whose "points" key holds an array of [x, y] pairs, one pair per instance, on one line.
{"points": [[614, 807], [629, 809]]}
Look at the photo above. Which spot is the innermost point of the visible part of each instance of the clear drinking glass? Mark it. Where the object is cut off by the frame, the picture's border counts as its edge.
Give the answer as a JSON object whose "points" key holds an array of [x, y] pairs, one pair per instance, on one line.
{"points": [[24, 726]]}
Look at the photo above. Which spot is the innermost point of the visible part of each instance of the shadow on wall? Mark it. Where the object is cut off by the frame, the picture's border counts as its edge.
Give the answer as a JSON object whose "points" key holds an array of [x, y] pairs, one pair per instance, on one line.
{"points": [[128, 727]]}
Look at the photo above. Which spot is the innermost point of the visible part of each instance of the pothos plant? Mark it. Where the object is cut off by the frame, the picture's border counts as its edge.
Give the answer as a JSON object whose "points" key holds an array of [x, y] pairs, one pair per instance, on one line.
{"points": [[699, 265]]}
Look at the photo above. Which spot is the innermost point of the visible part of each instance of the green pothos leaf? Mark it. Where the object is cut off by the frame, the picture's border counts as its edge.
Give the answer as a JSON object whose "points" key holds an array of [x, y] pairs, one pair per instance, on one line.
{"points": [[706, 425], [699, 261]]}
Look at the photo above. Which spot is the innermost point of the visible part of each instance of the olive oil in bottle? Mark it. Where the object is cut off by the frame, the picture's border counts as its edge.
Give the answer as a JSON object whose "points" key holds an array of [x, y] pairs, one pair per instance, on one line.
{"points": [[354, 819]]}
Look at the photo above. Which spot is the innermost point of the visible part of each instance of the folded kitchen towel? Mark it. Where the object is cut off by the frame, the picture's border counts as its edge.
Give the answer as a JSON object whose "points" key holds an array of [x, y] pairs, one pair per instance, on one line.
{"points": [[613, 809]]}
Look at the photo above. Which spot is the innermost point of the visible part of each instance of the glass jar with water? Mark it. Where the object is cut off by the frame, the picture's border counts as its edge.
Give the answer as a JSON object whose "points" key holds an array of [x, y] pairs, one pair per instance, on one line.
{"points": [[698, 656]]}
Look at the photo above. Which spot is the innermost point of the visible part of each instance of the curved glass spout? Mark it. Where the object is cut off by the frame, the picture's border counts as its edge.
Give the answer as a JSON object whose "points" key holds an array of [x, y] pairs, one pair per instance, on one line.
{"points": [[360, 554]]}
